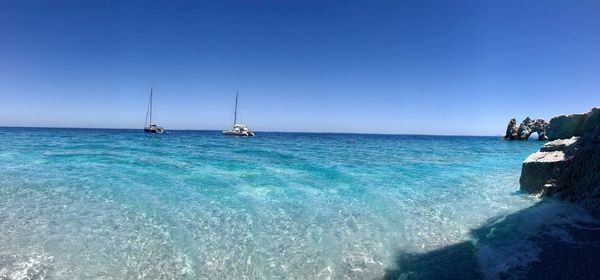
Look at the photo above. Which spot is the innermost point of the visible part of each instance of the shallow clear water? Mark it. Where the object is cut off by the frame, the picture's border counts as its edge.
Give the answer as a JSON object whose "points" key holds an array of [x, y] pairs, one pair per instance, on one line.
{"points": [[83, 203]]}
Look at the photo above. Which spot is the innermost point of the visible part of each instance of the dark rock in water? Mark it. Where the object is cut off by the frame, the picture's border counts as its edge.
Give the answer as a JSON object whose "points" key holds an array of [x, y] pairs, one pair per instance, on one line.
{"points": [[540, 170], [512, 130], [567, 126], [568, 169], [526, 128]]}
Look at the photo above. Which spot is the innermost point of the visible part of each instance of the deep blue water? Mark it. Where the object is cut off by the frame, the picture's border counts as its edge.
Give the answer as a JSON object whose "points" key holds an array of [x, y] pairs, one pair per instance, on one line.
{"points": [[98, 203]]}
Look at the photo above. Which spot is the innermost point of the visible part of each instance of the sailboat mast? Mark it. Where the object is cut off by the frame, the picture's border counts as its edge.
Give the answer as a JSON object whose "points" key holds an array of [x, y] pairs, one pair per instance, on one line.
{"points": [[150, 105], [148, 109], [235, 112]]}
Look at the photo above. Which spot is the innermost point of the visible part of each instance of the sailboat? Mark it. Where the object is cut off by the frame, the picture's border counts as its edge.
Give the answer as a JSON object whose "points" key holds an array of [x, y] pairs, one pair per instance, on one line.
{"points": [[238, 129], [148, 125]]}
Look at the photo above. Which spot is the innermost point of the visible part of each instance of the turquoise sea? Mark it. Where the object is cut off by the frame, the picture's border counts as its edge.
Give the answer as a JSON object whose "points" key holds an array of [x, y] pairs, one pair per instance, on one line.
{"points": [[121, 204]]}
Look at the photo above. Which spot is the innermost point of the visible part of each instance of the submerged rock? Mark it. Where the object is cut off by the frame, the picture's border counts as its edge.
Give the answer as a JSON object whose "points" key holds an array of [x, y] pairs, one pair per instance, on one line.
{"points": [[568, 168]]}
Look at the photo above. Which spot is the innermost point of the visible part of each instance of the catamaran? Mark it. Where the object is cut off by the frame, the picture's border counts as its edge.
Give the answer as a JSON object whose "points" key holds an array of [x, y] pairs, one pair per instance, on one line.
{"points": [[238, 129], [148, 125]]}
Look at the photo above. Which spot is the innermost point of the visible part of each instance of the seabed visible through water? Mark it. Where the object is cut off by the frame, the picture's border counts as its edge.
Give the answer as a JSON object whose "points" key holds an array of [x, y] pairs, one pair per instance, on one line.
{"points": [[86, 203]]}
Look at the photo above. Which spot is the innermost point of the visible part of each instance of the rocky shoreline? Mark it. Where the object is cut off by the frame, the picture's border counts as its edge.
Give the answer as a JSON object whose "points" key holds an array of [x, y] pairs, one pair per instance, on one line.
{"points": [[568, 167]]}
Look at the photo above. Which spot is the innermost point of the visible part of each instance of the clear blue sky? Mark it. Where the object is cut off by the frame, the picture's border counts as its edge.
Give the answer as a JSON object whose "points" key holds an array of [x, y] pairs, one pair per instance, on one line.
{"points": [[424, 67]]}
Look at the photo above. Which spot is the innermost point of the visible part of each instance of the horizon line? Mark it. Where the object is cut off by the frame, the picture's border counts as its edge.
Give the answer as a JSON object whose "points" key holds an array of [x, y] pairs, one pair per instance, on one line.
{"points": [[267, 131]]}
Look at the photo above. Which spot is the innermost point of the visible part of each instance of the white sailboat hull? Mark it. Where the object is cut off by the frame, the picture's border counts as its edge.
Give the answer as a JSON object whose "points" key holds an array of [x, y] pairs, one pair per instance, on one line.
{"points": [[237, 132]]}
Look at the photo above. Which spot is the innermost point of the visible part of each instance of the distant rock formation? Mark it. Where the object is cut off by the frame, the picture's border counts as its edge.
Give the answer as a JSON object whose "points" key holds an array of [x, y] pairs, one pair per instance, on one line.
{"points": [[512, 130], [526, 128], [529, 126], [569, 167]]}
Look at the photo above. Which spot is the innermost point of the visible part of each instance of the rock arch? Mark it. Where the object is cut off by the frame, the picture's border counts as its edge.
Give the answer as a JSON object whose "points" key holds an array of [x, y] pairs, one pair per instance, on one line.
{"points": [[525, 129]]}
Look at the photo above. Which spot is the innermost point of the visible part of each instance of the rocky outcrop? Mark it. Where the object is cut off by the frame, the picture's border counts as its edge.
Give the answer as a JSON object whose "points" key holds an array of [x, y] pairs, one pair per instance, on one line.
{"points": [[526, 128], [567, 168], [529, 126], [512, 130], [539, 171], [567, 126]]}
